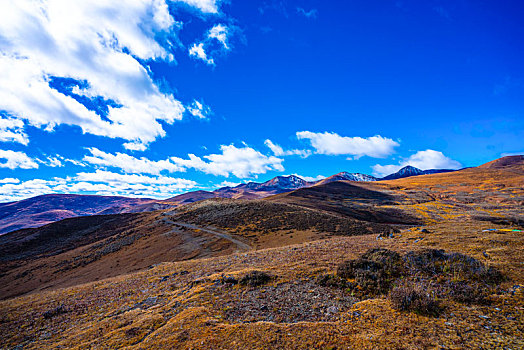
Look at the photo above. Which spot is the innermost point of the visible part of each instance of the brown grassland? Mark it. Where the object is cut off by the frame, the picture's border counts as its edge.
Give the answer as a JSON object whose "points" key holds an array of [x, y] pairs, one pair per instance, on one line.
{"points": [[208, 296]]}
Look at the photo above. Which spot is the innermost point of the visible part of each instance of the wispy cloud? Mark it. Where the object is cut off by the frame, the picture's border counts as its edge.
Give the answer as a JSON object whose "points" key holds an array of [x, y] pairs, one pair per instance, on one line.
{"points": [[442, 12], [312, 14], [279, 151], [199, 109], [217, 41]]}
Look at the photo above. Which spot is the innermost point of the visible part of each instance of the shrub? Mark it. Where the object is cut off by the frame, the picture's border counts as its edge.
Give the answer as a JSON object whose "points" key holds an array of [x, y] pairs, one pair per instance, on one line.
{"points": [[255, 278], [414, 297], [427, 261], [59, 310], [455, 266], [374, 271], [329, 280], [465, 292]]}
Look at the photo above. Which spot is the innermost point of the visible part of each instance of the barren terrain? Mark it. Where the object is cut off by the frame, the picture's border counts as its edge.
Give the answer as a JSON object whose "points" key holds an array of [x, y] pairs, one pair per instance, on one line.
{"points": [[311, 278]]}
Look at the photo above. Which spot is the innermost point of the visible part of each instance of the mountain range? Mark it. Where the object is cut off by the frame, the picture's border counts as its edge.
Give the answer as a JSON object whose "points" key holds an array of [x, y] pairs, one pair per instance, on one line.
{"points": [[41, 210]]}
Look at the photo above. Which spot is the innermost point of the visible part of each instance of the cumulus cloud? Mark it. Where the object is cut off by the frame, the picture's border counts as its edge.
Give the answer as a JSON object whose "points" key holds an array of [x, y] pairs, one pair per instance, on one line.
{"points": [[12, 130], [9, 180], [242, 162], [334, 144], [100, 182], [14, 160], [100, 51], [20, 190], [130, 164], [110, 177], [279, 151], [428, 159]]}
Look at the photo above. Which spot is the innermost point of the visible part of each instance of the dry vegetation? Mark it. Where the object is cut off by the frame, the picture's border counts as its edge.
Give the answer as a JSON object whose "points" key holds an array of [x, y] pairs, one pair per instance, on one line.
{"points": [[454, 281]]}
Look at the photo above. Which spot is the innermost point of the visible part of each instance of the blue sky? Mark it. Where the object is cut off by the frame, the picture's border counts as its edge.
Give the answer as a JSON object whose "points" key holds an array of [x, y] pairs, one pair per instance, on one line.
{"points": [[153, 98]]}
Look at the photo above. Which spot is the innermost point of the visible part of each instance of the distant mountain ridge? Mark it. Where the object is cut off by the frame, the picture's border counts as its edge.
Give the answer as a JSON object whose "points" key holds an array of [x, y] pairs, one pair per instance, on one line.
{"points": [[41, 210], [409, 170]]}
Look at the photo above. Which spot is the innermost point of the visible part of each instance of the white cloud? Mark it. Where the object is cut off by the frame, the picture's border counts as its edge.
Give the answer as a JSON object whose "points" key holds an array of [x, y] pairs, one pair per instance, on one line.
{"points": [[130, 164], [334, 144], [424, 160], [279, 151], [9, 180], [99, 182], [199, 110], [206, 49], [506, 154], [206, 6], [219, 32], [26, 189], [197, 50], [54, 162], [227, 184], [110, 177], [12, 130], [311, 178], [384, 170], [103, 46], [241, 162], [14, 160]]}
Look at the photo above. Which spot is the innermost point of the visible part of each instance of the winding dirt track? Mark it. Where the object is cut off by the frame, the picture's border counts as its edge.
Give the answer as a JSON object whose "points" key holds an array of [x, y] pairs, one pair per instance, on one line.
{"points": [[241, 245]]}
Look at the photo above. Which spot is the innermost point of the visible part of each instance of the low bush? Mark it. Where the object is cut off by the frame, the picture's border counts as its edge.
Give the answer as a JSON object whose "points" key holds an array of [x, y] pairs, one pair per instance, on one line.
{"points": [[59, 310], [444, 275], [374, 271], [410, 296], [334, 281], [255, 278]]}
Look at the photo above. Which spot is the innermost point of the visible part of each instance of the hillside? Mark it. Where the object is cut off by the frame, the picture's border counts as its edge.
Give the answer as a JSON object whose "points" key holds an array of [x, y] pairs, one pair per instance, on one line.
{"points": [[457, 237], [89, 248], [41, 210]]}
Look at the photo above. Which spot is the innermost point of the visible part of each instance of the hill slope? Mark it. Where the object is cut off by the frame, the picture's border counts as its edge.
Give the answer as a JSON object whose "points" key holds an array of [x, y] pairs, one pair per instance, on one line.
{"points": [[297, 299], [41, 210]]}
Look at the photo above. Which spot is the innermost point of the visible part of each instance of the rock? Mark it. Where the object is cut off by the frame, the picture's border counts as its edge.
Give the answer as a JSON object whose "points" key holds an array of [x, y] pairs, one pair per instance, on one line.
{"points": [[332, 310]]}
